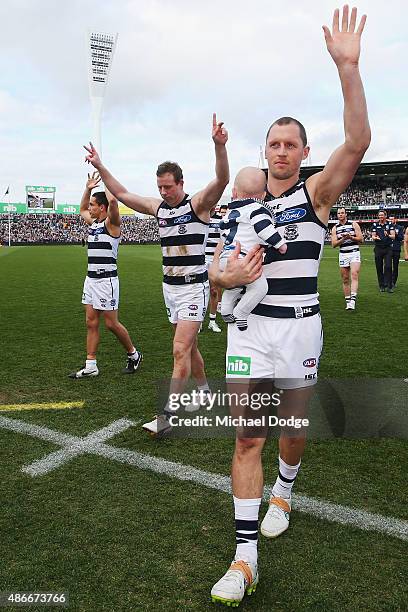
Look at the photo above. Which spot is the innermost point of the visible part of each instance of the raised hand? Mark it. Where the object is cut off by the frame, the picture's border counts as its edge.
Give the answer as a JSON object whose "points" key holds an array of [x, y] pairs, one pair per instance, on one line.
{"points": [[219, 133], [93, 157], [93, 180], [344, 44]]}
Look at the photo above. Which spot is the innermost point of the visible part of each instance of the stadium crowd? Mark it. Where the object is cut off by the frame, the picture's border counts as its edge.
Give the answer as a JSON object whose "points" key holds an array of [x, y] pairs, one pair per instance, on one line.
{"points": [[70, 229]]}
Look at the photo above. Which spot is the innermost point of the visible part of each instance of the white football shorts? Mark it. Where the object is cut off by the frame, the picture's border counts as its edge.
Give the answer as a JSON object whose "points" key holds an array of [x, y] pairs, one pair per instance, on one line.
{"points": [[101, 293], [186, 302], [285, 350], [345, 259]]}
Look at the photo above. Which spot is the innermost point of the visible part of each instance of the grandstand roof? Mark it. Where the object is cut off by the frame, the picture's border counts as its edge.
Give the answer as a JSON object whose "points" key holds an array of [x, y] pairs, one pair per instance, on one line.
{"points": [[389, 168]]}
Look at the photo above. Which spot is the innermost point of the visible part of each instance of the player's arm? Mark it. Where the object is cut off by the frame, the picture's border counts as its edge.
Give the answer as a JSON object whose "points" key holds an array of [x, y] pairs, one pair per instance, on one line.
{"points": [[406, 245], [141, 204], [334, 240], [204, 200], [359, 238], [92, 182], [238, 272], [113, 221], [344, 47]]}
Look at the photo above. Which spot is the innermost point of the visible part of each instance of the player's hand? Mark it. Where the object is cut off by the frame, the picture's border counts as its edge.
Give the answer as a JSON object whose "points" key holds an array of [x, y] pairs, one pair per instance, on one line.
{"points": [[239, 272], [93, 180], [219, 133], [344, 44], [92, 157]]}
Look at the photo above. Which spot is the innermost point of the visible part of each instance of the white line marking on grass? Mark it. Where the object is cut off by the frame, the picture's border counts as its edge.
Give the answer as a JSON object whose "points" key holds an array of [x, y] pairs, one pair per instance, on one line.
{"points": [[93, 444], [49, 406]]}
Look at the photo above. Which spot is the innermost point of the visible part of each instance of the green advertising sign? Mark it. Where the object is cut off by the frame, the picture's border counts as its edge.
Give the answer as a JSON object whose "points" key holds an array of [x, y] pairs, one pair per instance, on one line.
{"points": [[17, 207], [40, 188], [67, 209]]}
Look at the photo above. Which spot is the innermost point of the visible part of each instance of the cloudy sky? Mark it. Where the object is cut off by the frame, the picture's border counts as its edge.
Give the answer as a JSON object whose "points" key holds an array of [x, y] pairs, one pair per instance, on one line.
{"points": [[176, 62]]}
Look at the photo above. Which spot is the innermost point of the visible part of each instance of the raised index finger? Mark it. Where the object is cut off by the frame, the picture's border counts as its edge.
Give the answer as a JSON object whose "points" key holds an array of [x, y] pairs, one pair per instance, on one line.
{"points": [[214, 120]]}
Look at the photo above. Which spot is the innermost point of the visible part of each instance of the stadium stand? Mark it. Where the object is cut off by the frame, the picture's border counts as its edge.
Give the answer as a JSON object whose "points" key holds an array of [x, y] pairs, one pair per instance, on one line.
{"points": [[382, 185], [69, 229]]}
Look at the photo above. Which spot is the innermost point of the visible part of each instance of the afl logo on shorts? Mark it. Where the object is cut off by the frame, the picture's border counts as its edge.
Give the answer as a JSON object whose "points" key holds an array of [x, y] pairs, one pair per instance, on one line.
{"points": [[182, 229], [193, 307], [310, 363], [291, 232]]}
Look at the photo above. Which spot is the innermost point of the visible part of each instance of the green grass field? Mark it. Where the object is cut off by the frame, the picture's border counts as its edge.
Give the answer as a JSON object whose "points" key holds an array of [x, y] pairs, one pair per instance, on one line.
{"points": [[117, 537]]}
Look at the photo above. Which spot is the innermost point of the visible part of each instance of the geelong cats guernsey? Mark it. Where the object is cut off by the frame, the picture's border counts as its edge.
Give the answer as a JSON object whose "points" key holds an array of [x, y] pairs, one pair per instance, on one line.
{"points": [[182, 237], [348, 245], [214, 235], [102, 251], [292, 277]]}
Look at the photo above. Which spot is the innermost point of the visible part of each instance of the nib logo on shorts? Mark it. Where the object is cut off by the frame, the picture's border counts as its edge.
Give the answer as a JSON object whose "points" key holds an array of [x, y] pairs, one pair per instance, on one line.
{"points": [[240, 366]]}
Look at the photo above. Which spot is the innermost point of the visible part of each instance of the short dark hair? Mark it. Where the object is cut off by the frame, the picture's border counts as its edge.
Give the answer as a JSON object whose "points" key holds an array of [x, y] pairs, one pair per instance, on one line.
{"points": [[101, 199], [342, 208], [172, 168], [287, 121]]}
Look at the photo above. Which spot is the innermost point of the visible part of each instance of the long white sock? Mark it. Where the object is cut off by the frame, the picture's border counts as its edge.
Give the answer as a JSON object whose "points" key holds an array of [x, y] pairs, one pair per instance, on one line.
{"points": [[246, 529], [285, 480]]}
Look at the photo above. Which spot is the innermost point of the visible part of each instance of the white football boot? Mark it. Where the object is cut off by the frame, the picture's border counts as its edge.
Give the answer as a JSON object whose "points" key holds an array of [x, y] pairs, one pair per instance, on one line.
{"points": [[242, 577], [158, 426], [276, 520], [214, 327]]}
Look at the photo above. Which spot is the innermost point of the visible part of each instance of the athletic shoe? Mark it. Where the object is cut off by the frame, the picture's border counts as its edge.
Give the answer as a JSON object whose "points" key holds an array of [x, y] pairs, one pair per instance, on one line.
{"points": [[158, 427], [382, 289], [276, 520], [84, 373], [197, 403], [228, 318], [214, 327], [242, 577], [351, 305], [390, 290], [132, 364], [406, 380]]}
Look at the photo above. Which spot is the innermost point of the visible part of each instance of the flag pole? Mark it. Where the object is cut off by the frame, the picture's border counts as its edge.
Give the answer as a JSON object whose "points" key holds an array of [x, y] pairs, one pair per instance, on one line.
{"points": [[9, 218]]}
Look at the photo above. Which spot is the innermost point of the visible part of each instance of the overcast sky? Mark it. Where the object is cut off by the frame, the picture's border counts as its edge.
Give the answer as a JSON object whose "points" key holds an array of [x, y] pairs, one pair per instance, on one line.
{"points": [[175, 63]]}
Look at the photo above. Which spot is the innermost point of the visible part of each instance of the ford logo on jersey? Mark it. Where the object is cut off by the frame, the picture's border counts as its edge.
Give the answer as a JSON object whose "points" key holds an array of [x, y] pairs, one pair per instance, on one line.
{"points": [[288, 216], [182, 219]]}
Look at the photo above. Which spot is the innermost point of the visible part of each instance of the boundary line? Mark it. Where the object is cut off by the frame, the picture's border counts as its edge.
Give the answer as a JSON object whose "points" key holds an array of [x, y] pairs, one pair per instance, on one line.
{"points": [[93, 443], [39, 406]]}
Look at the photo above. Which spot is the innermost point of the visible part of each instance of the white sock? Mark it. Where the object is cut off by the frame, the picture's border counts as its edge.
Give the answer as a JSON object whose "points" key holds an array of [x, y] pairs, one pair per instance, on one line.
{"points": [[246, 529], [205, 388], [213, 317], [285, 480], [134, 354], [90, 364]]}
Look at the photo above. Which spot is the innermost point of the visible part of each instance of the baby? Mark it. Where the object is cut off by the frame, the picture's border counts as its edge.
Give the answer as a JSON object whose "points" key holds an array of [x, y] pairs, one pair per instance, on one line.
{"points": [[249, 222]]}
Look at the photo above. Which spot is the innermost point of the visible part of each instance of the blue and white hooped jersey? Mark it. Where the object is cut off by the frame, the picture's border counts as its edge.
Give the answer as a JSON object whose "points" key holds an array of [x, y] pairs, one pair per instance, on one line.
{"points": [[102, 251], [214, 235], [292, 277], [348, 246], [183, 237]]}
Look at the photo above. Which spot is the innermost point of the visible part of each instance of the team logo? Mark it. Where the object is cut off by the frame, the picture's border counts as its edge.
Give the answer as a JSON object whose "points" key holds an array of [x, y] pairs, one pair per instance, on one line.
{"points": [[239, 366], [113, 302], [193, 307], [287, 216], [291, 232], [96, 238], [182, 229], [310, 363], [183, 219], [103, 301], [162, 222]]}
